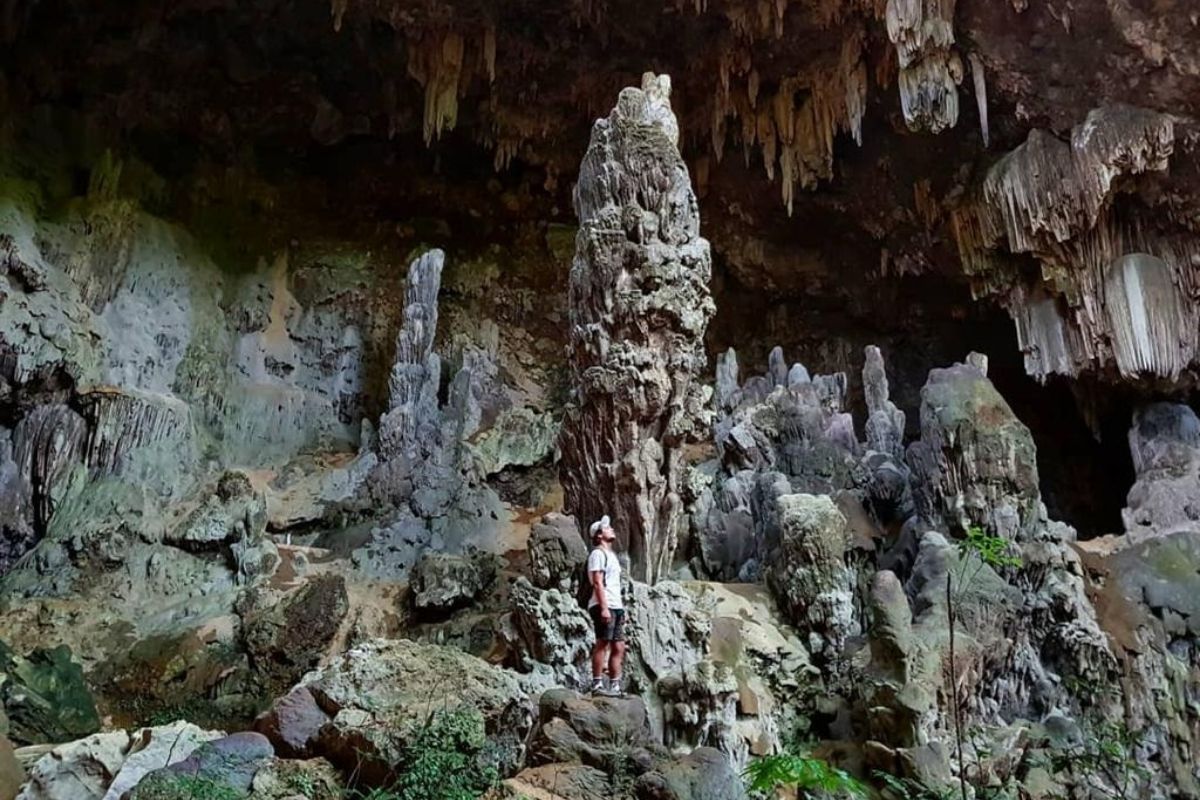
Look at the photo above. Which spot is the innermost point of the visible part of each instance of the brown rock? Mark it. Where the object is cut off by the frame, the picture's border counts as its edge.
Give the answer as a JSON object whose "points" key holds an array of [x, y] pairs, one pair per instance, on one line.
{"points": [[292, 723]]}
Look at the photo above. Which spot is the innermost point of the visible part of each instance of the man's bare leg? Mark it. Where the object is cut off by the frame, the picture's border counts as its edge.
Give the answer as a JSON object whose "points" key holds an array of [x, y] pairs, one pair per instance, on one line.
{"points": [[599, 656], [615, 659]]}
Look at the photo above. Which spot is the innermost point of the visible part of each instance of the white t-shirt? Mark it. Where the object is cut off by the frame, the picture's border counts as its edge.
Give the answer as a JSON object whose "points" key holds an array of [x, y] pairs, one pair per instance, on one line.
{"points": [[601, 560]]}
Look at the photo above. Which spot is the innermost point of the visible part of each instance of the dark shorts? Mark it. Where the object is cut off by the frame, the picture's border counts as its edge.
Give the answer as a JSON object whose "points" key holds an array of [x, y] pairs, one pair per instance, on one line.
{"points": [[611, 631]]}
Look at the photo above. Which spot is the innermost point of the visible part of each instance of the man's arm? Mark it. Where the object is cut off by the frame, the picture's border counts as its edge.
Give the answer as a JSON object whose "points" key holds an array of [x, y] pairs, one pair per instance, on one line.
{"points": [[601, 599]]}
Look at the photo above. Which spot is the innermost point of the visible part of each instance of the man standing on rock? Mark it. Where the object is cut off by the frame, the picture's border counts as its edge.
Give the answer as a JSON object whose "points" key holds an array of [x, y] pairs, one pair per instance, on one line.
{"points": [[606, 609]]}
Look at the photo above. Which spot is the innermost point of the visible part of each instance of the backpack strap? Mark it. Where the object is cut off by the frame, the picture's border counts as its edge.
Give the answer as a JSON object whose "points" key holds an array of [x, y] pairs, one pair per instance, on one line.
{"points": [[603, 572]]}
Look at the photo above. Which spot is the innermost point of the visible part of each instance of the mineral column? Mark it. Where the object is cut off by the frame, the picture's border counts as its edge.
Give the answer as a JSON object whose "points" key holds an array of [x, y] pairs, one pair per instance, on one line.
{"points": [[639, 307], [410, 432]]}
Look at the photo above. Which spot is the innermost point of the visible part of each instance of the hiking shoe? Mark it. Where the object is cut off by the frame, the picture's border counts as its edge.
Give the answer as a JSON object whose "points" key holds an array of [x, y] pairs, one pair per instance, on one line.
{"points": [[611, 689]]}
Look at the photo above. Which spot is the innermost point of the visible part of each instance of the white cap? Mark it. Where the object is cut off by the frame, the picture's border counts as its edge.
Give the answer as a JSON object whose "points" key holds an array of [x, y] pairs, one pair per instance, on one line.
{"points": [[599, 525]]}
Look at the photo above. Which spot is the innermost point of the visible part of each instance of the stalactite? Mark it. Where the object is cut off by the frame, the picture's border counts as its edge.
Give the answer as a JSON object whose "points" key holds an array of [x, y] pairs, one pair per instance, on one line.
{"points": [[1113, 290], [981, 102], [1048, 190], [795, 137], [489, 52], [923, 34], [338, 12], [436, 62]]}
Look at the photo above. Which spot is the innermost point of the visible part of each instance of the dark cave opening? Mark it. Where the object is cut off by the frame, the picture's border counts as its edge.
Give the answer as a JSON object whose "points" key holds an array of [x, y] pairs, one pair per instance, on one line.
{"points": [[921, 323]]}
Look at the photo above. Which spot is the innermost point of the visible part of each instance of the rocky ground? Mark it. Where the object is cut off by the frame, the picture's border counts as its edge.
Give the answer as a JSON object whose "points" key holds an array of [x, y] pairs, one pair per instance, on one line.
{"points": [[310, 378]]}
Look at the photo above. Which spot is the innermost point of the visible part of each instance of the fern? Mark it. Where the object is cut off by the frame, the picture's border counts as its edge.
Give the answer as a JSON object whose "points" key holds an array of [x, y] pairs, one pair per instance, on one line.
{"points": [[803, 773]]}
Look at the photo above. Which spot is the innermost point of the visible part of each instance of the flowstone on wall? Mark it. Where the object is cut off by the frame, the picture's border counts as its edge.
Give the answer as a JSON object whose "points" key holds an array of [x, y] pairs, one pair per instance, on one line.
{"points": [[639, 307]]}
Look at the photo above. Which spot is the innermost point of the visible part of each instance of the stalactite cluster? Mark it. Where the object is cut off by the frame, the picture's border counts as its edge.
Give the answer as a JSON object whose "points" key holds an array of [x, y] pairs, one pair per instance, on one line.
{"points": [[930, 71], [795, 122], [1113, 289]]}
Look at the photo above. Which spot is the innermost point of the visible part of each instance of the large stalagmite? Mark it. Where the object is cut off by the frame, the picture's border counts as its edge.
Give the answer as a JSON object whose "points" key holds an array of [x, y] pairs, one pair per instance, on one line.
{"points": [[639, 307]]}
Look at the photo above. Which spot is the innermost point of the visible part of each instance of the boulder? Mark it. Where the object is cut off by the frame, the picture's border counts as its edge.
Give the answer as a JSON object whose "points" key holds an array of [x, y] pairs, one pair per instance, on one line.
{"points": [[292, 723], [442, 582], [231, 762], [12, 775], [556, 552], [45, 696], [79, 770], [315, 779], [703, 774], [555, 782], [154, 748], [233, 520], [379, 693], [287, 639], [609, 733]]}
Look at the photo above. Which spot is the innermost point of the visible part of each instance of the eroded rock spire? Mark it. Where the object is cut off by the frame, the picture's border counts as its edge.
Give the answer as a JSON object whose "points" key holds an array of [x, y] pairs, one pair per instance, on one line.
{"points": [[639, 307]]}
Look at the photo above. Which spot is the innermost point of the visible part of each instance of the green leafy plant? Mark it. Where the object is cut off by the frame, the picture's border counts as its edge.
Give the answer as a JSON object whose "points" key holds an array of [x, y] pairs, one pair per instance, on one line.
{"points": [[809, 775], [442, 761], [992, 551], [1103, 757], [163, 786]]}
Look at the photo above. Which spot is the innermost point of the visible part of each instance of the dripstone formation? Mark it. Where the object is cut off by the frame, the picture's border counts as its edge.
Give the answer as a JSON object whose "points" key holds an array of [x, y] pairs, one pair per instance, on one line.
{"points": [[639, 306]]}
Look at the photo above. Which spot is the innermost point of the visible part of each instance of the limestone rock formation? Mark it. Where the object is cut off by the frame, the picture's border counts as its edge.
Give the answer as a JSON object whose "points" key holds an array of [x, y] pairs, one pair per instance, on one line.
{"points": [[975, 463], [442, 582], [378, 693], [639, 307], [81, 768], [809, 574], [111, 765], [44, 697], [316, 779], [424, 469], [1164, 441], [556, 552], [151, 749], [703, 773], [788, 432], [228, 764], [551, 632]]}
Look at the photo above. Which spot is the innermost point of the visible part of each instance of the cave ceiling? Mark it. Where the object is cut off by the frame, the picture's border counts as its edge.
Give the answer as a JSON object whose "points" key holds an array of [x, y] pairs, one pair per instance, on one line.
{"points": [[836, 146]]}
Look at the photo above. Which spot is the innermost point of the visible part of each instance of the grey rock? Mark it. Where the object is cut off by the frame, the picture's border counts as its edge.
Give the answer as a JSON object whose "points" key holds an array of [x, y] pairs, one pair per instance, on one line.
{"points": [[315, 779], [597, 731], [45, 697], [151, 749], [442, 582], [79, 770], [230, 761], [1164, 441], [703, 774], [551, 629], [975, 464], [379, 692], [556, 552], [638, 394], [292, 723], [808, 573]]}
